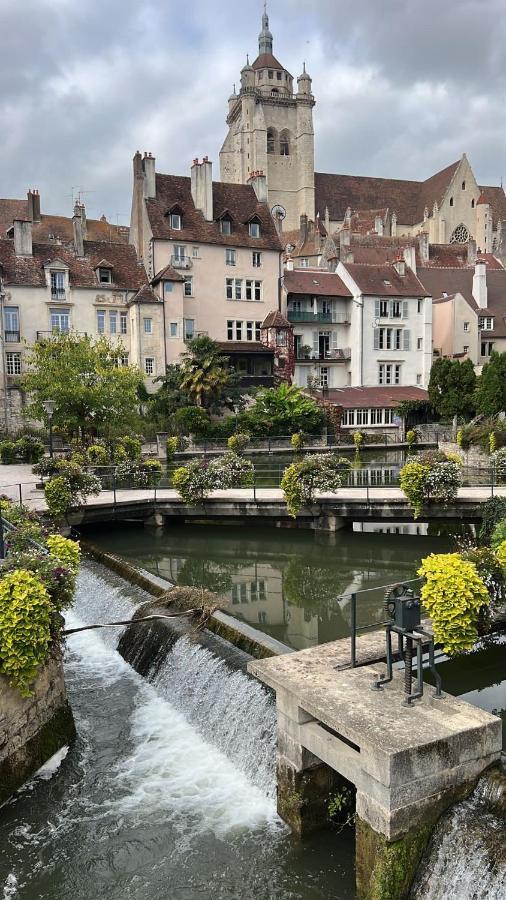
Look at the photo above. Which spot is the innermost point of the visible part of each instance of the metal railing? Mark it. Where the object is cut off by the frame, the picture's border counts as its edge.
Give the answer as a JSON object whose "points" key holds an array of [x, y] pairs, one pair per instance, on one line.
{"points": [[181, 262], [307, 315], [12, 337], [337, 355]]}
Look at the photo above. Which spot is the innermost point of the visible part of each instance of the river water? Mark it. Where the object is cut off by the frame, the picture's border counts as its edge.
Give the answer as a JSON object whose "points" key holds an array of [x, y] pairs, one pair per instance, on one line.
{"points": [[146, 805]]}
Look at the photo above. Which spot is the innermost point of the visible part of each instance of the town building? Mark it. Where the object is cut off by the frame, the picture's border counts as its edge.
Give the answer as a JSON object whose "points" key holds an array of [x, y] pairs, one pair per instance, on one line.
{"points": [[213, 255]]}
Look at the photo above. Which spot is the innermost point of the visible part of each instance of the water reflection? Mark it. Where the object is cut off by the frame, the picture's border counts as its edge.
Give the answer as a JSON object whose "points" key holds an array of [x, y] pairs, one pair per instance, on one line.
{"points": [[293, 584]]}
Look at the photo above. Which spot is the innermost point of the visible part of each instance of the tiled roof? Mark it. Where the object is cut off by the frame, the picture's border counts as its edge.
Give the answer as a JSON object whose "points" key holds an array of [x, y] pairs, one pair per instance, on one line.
{"points": [[384, 281], [453, 281], [59, 227], [496, 197], [275, 319], [375, 249], [167, 274], [386, 397], [145, 295], [239, 200], [316, 282], [407, 199], [235, 347], [267, 61], [127, 272]]}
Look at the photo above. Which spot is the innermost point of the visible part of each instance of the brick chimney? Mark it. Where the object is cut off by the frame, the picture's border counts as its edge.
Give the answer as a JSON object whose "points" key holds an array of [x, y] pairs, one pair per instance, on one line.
{"points": [[33, 197], [258, 182], [77, 223], [22, 237], [202, 187], [148, 168], [409, 254], [480, 291]]}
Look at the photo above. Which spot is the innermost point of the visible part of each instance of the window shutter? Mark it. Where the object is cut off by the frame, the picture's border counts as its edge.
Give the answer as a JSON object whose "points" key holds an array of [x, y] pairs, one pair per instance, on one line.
{"points": [[404, 309], [333, 340], [407, 339], [316, 346], [376, 309], [376, 338]]}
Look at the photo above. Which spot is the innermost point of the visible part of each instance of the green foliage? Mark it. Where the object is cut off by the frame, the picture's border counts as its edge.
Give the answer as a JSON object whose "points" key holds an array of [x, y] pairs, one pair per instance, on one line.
{"points": [[58, 497], [453, 595], [195, 481], [415, 411], [237, 443], [169, 397], [25, 634], [70, 487], [282, 411], [82, 376], [492, 442], [492, 512], [358, 440], [411, 437], [412, 480], [342, 802], [192, 420], [97, 455], [489, 569], [433, 476], [501, 555], [498, 534], [143, 474], [460, 439], [132, 447], [499, 463], [66, 551], [8, 453], [206, 377], [301, 480], [26, 449], [297, 441], [451, 387], [479, 435], [490, 393]]}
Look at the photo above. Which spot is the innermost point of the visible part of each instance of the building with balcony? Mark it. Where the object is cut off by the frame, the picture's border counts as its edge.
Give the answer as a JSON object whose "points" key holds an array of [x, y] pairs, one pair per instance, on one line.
{"points": [[213, 255]]}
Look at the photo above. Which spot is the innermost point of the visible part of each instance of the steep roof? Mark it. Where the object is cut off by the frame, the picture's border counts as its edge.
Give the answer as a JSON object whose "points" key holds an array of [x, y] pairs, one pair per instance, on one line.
{"points": [[407, 199], [239, 200], [127, 273], [316, 282], [386, 397], [167, 274], [59, 227], [440, 281], [275, 319], [385, 281], [267, 61], [145, 295], [496, 197], [10, 210]]}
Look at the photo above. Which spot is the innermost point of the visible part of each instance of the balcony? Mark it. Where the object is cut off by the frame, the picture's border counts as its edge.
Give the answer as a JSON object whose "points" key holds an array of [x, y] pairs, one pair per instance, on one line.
{"points": [[57, 293], [181, 262], [339, 355], [318, 318], [11, 337]]}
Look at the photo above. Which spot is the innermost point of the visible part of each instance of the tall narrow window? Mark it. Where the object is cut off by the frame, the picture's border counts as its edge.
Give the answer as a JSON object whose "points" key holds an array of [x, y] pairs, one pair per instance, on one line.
{"points": [[284, 143], [188, 286], [230, 257], [123, 318], [256, 259], [101, 321], [149, 365], [226, 225], [113, 321], [57, 285], [271, 141], [60, 320], [176, 221], [13, 363], [11, 324], [254, 229], [148, 326]]}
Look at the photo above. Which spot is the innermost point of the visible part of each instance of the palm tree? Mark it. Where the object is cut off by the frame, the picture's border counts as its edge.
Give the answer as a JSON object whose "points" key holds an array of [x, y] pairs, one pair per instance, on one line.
{"points": [[204, 372]]}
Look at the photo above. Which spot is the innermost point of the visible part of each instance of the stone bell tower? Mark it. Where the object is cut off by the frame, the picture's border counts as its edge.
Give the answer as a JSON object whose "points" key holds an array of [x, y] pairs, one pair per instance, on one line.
{"points": [[271, 131]]}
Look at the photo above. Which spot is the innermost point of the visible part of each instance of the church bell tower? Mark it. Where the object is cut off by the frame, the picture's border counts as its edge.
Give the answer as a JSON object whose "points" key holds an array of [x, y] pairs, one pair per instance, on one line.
{"points": [[270, 130]]}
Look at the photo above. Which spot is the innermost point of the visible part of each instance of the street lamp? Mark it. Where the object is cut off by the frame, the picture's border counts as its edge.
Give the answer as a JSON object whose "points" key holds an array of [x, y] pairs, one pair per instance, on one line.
{"points": [[49, 408]]}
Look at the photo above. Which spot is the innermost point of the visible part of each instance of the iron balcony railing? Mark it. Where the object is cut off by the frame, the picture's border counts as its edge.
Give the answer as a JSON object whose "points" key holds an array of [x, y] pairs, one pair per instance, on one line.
{"points": [[12, 337], [181, 262], [339, 355], [57, 294], [307, 315]]}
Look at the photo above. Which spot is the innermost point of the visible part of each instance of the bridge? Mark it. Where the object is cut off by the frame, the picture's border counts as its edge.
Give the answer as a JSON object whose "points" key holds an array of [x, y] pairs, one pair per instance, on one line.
{"points": [[330, 511]]}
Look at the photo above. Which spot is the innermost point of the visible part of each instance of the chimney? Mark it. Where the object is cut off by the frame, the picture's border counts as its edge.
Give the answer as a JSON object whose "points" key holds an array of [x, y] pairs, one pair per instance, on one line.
{"points": [[148, 168], [289, 264], [378, 225], [344, 241], [303, 229], [400, 266], [480, 284], [410, 258], [258, 182], [202, 187], [471, 252], [77, 223], [33, 206], [423, 246], [22, 237]]}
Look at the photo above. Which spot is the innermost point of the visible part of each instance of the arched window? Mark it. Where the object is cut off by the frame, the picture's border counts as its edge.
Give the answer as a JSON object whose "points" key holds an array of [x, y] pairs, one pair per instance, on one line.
{"points": [[460, 235], [463, 185], [284, 143], [472, 204], [272, 139], [451, 201]]}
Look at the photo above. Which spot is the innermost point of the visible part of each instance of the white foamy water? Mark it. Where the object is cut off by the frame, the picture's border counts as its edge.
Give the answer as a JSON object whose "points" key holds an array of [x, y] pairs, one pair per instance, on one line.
{"points": [[10, 887]]}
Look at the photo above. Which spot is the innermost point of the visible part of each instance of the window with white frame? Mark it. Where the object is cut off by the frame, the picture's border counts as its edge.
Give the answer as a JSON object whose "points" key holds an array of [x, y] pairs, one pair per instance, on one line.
{"points": [[486, 323], [389, 373], [258, 328], [419, 306], [148, 326], [195, 252], [57, 285], [188, 285], [105, 275], [256, 259], [254, 229], [238, 331], [362, 416], [376, 416], [249, 331], [466, 348], [189, 329], [124, 359], [101, 313], [230, 257], [348, 417], [179, 253], [13, 363], [253, 290], [176, 222], [323, 376], [391, 339], [123, 322], [113, 321], [11, 324], [388, 416], [149, 365], [383, 308], [168, 287], [173, 329], [466, 326], [230, 330], [60, 320], [226, 225], [304, 262], [487, 348]]}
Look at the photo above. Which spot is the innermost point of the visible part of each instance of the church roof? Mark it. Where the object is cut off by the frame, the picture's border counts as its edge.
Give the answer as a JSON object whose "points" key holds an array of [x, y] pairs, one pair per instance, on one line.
{"points": [[408, 199], [496, 197], [267, 61]]}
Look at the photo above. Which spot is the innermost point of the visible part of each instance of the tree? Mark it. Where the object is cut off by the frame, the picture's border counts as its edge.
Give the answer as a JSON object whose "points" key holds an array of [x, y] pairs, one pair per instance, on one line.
{"points": [[92, 393], [490, 394], [285, 410], [206, 377], [451, 388], [169, 396]]}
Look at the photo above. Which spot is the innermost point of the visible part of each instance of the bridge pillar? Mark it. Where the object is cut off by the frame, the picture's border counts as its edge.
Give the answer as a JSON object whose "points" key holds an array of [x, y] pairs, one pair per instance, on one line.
{"points": [[155, 520], [328, 521]]}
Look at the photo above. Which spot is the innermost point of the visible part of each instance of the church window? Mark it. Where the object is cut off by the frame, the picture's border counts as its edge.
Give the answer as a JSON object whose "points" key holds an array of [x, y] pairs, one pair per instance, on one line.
{"points": [[472, 204], [274, 91], [284, 143], [451, 201], [460, 235], [271, 140], [463, 185]]}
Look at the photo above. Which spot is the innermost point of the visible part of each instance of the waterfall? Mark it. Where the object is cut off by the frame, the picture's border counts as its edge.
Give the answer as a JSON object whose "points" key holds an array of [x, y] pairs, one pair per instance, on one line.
{"points": [[466, 858]]}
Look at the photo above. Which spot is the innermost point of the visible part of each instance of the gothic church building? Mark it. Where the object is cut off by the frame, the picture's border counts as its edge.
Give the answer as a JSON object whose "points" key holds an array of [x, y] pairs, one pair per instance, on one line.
{"points": [[270, 130]]}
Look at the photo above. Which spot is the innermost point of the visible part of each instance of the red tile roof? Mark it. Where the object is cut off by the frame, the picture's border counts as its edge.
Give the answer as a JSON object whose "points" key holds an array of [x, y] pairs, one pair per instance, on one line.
{"points": [[267, 61], [127, 272], [235, 347], [59, 227], [384, 281], [146, 295], [317, 282], [275, 319], [167, 274], [239, 200], [407, 199], [496, 197], [385, 397]]}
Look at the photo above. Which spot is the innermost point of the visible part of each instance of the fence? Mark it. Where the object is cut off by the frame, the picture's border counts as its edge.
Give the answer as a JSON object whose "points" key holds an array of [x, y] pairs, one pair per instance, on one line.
{"points": [[274, 444]]}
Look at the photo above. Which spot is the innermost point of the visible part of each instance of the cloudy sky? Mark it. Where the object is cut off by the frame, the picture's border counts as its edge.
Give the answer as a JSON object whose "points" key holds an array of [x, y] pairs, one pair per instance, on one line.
{"points": [[403, 87]]}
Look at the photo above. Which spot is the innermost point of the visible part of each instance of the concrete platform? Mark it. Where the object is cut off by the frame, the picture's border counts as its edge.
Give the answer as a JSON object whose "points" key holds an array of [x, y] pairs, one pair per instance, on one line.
{"points": [[403, 761]]}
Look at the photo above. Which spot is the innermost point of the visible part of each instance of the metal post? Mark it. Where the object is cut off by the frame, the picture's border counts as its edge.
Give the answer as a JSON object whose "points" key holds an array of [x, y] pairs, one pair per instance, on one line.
{"points": [[20, 490], [493, 480], [51, 452], [114, 488], [2, 542], [408, 663], [353, 626]]}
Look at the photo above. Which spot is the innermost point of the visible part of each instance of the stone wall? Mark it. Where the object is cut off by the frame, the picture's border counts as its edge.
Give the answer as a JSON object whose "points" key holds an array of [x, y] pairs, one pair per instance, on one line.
{"points": [[32, 728]]}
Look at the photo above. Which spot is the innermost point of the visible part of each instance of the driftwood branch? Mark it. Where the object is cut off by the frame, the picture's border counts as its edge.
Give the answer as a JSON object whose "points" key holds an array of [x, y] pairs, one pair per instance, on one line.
{"points": [[189, 612]]}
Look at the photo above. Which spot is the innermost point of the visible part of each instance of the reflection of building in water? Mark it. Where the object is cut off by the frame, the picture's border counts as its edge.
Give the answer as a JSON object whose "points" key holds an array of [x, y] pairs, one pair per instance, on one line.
{"points": [[257, 595], [377, 476], [415, 528]]}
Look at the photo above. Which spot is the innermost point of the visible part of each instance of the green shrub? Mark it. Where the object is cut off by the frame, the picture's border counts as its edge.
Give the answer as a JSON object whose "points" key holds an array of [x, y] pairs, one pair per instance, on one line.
{"points": [[453, 595], [8, 452], [132, 447], [25, 633], [97, 455], [498, 534], [432, 476], [67, 551], [194, 482], [499, 463], [492, 442], [237, 443], [297, 441], [30, 449], [301, 480], [412, 480], [411, 438], [358, 440], [492, 512]]}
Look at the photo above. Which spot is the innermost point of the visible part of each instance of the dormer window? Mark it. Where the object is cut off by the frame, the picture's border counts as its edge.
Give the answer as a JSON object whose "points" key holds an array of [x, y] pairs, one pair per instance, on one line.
{"points": [[226, 225], [57, 285], [104, 275], [175, 221], [254, 229]]}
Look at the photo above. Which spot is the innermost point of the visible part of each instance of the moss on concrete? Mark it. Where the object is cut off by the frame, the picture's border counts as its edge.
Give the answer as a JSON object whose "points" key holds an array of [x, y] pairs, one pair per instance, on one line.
{"points": [[385, 870], [58, 731], [121, 567]]}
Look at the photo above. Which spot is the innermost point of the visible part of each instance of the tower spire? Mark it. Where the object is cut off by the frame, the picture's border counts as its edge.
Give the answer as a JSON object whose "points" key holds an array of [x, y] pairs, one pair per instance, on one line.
{"points": [[265, 36]]}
